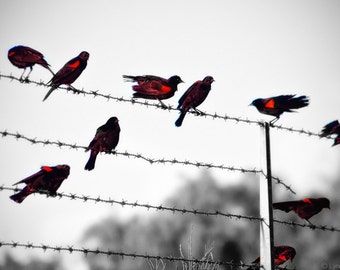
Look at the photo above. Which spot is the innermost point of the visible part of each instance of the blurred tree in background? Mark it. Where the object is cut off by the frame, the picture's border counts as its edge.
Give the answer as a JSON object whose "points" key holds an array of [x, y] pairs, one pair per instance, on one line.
{"points": [[232, 240], [163, 233]]}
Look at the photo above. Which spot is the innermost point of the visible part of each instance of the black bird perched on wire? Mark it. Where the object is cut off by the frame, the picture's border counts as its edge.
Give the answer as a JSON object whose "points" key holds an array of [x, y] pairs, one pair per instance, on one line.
{"points": [[193, 97], [47, 179], [69, 72], [154, 87], [282, 254], [105, 140], [276, 106], [24, 57]]}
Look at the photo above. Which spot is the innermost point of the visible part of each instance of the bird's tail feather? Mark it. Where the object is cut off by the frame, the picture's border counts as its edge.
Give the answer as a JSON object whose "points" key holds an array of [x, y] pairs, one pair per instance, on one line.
{"points": [[180, 119], [49, 92], [91, 162], [50, 70], [298, 102], [19, 197]]}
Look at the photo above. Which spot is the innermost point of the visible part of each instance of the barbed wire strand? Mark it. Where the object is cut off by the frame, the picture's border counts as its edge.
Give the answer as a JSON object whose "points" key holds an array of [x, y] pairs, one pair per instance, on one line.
{"points": [[108, 252], [148, 159], [310, 226], [96, 93], [173, 210], [123, 203]]}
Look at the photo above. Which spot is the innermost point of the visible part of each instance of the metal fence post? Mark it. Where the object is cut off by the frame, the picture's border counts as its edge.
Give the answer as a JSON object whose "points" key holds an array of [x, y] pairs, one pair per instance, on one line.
{"points": [[266, 210]]}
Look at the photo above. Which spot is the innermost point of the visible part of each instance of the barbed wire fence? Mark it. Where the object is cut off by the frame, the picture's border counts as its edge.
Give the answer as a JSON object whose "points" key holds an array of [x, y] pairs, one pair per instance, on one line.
{"points": [[150, 160], [132, 101], [171, 209], [164, 161]]}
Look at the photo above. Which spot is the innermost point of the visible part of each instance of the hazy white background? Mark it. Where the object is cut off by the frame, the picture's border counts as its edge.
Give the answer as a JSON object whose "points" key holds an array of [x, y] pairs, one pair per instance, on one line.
{"points": [[252, 49]]}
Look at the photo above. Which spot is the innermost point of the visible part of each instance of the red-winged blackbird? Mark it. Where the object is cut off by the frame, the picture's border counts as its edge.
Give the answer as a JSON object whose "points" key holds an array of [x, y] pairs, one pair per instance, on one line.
{"points": [[305, 208], [281, 255], [193, 97], [48, 179], [105, 140], [69, 72], [276, 106], [24, 57], [154, 87], [332, 128]]}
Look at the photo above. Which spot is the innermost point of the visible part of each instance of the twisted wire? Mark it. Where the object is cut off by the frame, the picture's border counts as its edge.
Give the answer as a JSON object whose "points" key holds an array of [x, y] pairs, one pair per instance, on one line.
{"points": [[97, 93], [197, 164], [310, 226], [174, 209], [108, 252], [147, 206]]}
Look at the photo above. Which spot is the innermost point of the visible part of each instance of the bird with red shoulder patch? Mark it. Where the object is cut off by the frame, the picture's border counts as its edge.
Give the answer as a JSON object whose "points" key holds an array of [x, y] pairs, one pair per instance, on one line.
{"points": [[48, 179], [69, 72], [277, 105], [282, 254], [26, 57], [154, 87], [305, 208]]}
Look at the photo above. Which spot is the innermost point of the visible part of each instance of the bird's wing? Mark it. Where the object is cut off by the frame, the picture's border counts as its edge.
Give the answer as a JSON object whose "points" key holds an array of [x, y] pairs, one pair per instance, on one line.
{"points": [[33, 177], [66, 70], [187, 93]]}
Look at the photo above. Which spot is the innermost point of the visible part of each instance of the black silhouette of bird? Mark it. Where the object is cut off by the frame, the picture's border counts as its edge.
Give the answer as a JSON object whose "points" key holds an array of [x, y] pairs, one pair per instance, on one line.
{"points": [[69, 72], [276, 106], [193, 97], [26, 57], [105, 140], [48, 179]]}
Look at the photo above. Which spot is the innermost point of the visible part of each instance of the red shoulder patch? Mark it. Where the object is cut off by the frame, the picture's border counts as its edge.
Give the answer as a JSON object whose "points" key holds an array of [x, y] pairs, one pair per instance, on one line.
{"points": [[165, 89], [307, 200], [11, 53], [282, 257], [75, 64], [46, 168], [270, 104]]}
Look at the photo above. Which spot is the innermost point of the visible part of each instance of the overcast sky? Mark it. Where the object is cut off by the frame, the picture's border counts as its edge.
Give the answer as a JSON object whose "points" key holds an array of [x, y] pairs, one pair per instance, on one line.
{"points": [[252, 49]]}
